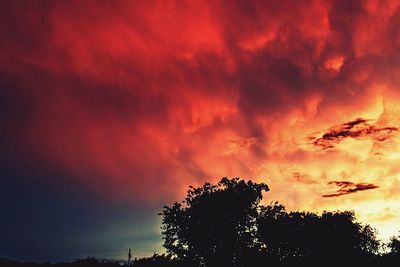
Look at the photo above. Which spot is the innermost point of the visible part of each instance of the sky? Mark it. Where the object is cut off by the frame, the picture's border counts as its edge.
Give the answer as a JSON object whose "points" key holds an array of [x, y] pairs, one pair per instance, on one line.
{"points": [[111, 109]]}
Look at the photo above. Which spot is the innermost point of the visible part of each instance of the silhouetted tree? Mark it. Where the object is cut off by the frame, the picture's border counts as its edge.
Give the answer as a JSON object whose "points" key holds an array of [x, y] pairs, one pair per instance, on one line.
{"points": [[285, 234], [394, 246], [215, 224], [305, 235]]}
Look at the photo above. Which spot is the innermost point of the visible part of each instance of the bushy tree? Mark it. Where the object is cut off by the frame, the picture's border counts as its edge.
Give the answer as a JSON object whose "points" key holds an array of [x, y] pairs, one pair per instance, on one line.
{"points": [[286, 234], [394, 246], [289, 235], [215, 224]]}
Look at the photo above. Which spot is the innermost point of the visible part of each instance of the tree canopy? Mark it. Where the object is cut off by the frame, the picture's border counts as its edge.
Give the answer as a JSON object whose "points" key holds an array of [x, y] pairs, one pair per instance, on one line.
{"points": [[226, 225], [299, 234], [215, 223]]}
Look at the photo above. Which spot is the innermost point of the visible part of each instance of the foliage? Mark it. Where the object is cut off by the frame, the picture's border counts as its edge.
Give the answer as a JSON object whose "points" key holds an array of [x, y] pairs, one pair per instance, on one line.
{"points": [[394, 246], [225, 225], [305, 234], [215, 224]]}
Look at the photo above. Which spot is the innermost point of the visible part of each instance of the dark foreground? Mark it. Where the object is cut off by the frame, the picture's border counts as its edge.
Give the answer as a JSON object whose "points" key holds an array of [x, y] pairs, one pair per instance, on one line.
{"points": [[164, 261]]}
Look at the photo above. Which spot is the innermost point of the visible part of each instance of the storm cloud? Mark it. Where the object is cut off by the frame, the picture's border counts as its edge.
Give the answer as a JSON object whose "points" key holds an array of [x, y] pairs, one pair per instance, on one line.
{"points": [[132, 101]]}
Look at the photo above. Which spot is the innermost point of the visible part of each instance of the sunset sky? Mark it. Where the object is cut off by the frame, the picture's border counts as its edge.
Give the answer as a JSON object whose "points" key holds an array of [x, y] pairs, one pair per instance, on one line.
{"points": [[111, 109]]}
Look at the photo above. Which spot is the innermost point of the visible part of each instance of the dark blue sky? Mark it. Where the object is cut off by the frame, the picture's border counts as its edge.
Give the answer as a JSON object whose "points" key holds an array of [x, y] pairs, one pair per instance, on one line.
{"points": [[45, 221]]}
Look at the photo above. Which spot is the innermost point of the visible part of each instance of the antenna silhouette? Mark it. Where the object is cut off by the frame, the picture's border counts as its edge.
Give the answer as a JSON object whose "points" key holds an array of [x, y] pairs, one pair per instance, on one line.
{"points": [[129, 257]]}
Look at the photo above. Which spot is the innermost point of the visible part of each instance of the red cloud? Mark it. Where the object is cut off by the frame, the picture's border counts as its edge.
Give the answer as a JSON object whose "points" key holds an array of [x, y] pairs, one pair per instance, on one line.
{"points": [[136, 97]]}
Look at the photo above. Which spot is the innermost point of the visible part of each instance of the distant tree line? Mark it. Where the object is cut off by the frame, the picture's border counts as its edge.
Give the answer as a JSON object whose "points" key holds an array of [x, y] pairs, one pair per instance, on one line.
{"points": [[225, 225]]}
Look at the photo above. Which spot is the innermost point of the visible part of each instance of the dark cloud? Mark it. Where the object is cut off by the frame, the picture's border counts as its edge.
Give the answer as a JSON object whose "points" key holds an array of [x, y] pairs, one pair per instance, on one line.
{"points": [[358, 128], [347, 187]]}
